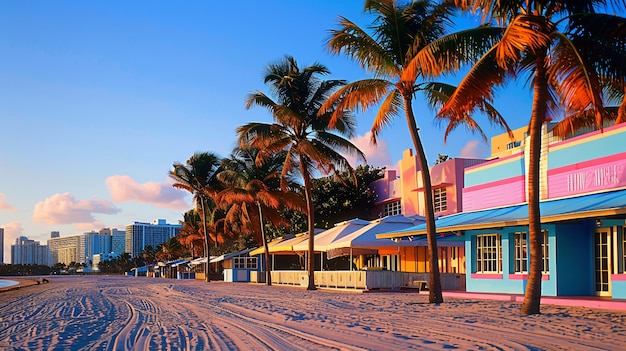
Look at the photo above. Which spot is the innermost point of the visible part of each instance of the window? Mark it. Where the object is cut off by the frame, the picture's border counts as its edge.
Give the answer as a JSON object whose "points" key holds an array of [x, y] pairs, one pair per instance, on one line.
{"points": [[520, 253], [392, 208], [513, 145], [624, 250], [440, 199], [489, 253], [545, 250], [520, 250], [245, 262]]}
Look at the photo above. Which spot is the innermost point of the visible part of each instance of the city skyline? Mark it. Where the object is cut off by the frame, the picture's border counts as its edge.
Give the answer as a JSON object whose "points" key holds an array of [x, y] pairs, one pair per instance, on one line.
{"points": [[99, 100]]}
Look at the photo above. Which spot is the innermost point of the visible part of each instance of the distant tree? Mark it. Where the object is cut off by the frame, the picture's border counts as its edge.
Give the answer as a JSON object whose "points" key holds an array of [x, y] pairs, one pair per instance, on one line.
{"points": [[170, 250], [191, 233], [442, 158], [148, 255], [338, 199]]}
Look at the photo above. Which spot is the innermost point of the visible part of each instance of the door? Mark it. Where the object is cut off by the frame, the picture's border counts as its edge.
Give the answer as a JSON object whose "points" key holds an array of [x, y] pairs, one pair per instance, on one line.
{"points": [[602, 246]]}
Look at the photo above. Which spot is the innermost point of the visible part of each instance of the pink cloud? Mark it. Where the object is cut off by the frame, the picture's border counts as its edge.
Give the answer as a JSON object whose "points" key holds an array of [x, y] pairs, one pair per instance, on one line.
{"points": [[162, 195], [474, 149], [5, 206], [376, 155], [65, 209]]}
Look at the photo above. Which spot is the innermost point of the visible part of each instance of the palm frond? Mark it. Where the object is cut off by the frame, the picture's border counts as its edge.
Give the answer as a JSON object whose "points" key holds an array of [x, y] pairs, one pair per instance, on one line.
{"points": [[357, 44], [476, 87], [524, 33], [356, 96], [438, 94], [447, 53], [342, 145], [579, 86], [389, 109]]}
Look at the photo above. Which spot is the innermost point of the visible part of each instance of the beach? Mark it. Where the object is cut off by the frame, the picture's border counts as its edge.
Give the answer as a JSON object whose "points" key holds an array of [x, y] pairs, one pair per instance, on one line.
{"points": [[138, 313]]}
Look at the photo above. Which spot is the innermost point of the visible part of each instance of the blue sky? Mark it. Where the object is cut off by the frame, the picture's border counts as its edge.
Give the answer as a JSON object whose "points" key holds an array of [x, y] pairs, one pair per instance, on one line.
{"points": [[98, 99]]}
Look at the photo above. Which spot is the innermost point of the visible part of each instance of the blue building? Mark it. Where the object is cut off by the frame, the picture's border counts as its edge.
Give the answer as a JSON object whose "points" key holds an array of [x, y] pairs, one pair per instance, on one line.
{"points": [[583, 216]]}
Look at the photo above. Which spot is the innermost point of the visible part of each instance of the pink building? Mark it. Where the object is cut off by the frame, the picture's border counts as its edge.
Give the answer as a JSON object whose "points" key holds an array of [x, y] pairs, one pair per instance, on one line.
{"points": [[402, 191]]}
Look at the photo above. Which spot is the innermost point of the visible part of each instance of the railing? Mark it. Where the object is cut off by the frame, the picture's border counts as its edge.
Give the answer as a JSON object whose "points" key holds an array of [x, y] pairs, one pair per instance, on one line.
{"points": [[365, 280]]}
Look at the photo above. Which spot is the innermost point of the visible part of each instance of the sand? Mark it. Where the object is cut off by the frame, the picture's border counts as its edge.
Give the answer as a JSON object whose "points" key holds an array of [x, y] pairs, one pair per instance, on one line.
{"points": [[129, 313]]}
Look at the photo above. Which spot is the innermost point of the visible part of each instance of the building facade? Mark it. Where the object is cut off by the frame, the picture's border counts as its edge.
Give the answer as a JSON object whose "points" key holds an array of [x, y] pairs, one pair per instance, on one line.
{"points": [[118, 241], [404, 194], [67, 249], [139, 235], [583, 216], [26, 251]]}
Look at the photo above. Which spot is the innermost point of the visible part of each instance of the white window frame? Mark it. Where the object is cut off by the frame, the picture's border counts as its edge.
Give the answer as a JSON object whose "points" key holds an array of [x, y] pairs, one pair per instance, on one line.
{"points": [[520, 252], [440, 199], [245, 262], [392, 208], [489, 253], [545, 250]]}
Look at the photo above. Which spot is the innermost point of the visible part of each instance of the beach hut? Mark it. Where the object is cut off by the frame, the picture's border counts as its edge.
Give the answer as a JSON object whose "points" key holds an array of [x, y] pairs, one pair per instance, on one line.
{"points": [[336, 233], [363, 242], [170, 269], [237, 266], [282, 253], [197, 267], [327, 237]]}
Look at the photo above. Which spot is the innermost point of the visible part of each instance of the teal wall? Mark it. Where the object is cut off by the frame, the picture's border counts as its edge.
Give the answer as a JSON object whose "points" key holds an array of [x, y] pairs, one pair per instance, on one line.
{"points": [[589, 150], [506, 284], [575, 259], [493, 173]]}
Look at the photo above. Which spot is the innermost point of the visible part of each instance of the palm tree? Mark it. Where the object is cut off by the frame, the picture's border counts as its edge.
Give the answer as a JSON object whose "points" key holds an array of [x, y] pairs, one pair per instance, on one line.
{"points": [[199, 177], [191, 233], [567, 70], [300, 130], [407, 42], [253, 194], [170, 250]]}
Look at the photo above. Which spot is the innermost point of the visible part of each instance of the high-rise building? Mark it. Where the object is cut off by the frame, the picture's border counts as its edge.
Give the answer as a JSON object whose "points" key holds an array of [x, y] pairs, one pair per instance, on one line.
{"points": [[66, 249], [1, 245], [118, 241], [26, 251], [97, 243], [139, 235]]}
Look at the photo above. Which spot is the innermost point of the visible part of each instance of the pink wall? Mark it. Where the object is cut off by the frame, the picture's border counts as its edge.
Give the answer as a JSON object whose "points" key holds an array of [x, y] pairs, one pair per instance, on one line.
{"points": [[411, 204], [384, 188], [491, 194], [408, 187], [590, 176]]}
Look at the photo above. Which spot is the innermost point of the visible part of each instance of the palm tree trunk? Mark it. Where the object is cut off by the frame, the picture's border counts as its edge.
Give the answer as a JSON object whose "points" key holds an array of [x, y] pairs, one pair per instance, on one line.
{"points": [[206, 241], [311, 224], [435, 294], [268, 269], [532, 297]]}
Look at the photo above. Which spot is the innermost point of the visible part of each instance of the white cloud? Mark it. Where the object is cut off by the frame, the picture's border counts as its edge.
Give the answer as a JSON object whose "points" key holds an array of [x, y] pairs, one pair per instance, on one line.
{"points": [[5, 206], [162, 195], [376, 155], [65, 209], [474, 149]]}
